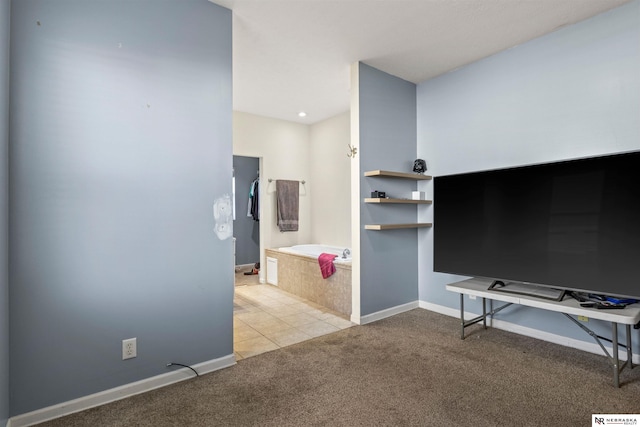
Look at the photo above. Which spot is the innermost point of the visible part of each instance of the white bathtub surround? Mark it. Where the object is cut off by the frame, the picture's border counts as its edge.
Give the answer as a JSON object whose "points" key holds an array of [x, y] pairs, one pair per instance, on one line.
{"points": [[299, 273], [314, 251]]}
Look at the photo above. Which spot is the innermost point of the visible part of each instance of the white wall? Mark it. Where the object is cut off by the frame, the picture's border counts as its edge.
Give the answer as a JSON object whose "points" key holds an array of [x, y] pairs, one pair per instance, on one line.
{"points": [[331, 191], [573, 93]]}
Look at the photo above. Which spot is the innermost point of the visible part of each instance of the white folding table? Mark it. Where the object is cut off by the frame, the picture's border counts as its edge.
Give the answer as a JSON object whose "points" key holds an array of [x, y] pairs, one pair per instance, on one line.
{"points": [[629, 316]]}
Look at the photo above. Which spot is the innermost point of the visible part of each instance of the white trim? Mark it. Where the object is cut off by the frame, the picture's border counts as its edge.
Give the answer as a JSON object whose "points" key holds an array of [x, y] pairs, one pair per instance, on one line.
{"points": [[242, 266], [447, 311], [354, 319], [354, 137], [118, 393], [388, 312], [530, 332]]}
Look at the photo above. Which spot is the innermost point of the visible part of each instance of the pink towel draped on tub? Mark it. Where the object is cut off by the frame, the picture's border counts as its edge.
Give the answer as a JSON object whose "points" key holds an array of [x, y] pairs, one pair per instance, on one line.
{"points": [[326, 264]]}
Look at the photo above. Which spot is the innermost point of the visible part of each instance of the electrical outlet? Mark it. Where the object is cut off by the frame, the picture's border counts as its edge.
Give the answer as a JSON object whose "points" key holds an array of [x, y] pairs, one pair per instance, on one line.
{"points": [[129, 349]]}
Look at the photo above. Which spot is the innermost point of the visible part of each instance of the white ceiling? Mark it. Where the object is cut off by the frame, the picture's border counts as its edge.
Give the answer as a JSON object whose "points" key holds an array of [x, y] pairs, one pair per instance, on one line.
{"points": [[294, 55]]}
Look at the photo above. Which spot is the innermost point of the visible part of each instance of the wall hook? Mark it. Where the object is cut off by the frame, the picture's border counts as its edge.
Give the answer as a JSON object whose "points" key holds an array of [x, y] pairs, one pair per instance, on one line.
{"points": [[352, 151]]}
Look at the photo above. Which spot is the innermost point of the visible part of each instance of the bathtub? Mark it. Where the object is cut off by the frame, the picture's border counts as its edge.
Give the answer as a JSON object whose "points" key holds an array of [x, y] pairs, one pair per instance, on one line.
{"points": [[296, 270], [314, 251]]}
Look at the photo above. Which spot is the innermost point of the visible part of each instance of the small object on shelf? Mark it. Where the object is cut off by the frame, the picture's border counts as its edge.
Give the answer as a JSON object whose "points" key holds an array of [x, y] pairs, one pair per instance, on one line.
{"points": [[419, 166], [417, 195], [378, 194]]}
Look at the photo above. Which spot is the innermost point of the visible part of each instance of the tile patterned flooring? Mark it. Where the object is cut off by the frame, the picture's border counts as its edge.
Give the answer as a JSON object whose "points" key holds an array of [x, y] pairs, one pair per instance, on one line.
{"points": [[266, 318]]}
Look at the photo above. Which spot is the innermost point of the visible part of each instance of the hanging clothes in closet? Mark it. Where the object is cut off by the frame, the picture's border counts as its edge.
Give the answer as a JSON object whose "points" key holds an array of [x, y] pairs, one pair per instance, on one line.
{"points": [[253, 206]]}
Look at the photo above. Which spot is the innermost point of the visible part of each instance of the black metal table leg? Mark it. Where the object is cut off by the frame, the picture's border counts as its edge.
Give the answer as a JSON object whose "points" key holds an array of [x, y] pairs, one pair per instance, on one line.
{"points": [[616, 360], [629, 350], [461, 316]]}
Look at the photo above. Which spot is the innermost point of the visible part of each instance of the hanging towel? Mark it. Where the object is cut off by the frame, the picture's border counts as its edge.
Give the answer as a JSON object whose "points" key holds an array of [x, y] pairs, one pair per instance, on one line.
{"points": [[326, 264], [287, 205]]}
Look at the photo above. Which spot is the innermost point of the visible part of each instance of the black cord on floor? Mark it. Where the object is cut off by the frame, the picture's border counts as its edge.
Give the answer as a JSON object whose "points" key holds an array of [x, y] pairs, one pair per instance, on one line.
{"points": [[185, 366]]}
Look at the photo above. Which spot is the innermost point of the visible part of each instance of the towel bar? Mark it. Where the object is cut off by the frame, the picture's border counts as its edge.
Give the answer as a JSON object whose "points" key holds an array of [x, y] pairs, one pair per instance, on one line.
{"points": [[302, 182]]}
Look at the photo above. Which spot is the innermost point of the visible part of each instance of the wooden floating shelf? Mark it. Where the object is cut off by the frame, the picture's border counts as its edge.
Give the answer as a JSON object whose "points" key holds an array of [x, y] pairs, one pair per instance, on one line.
{"points": [[396, 226], [403, 175], [411, 201]]}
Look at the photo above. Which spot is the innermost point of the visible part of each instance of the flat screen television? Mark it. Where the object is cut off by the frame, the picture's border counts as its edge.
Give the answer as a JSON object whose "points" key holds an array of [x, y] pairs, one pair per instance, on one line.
{"points": [[572, 225]]}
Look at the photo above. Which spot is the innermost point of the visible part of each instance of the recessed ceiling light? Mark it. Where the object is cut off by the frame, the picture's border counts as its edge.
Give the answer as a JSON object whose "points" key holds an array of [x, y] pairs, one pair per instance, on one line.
{"points": [[302, 114]]}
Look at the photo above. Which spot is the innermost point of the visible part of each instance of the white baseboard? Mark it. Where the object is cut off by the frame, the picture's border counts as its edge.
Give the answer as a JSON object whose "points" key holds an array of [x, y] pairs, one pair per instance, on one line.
{"points": [[530, 332], [118, 393], [240, 267], [388, 312]]}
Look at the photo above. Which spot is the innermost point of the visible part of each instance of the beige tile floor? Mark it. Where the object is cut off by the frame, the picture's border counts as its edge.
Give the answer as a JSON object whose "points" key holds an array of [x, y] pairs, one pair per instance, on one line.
{"points": [[266, 318]]}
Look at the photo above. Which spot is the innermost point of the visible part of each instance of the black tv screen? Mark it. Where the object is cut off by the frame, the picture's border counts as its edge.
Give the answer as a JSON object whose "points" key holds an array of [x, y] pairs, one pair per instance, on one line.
{"points": [[571, 225]]}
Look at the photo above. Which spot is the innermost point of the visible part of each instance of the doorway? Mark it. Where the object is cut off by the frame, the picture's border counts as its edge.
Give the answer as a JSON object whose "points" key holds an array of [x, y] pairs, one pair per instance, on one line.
{"points": [[246, 208], [265, 318]]}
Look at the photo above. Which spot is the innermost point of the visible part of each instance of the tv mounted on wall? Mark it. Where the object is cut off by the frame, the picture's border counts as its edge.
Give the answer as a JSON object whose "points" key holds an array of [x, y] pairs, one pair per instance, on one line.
{"points": [[572, 225]]}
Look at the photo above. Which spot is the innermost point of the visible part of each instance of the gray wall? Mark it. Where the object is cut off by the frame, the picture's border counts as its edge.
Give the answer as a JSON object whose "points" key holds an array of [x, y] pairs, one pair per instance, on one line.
{"points": [[4, 207], [245, 229], [389, 259], [572, 93], [121, 142]]}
